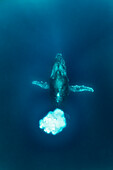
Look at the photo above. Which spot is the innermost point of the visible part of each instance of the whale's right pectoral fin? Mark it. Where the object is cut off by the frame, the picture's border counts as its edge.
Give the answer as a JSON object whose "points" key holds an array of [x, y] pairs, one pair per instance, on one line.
{"points": [[81, 88], [41, 84]]}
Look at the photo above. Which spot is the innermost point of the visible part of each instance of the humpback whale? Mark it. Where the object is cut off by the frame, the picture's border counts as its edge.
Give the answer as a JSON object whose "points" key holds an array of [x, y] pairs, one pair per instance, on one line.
{"points": [[59, 83]]}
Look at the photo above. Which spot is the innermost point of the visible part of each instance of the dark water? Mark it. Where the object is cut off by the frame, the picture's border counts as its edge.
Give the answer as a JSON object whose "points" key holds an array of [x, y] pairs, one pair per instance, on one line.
{"points": [[31, 33]]}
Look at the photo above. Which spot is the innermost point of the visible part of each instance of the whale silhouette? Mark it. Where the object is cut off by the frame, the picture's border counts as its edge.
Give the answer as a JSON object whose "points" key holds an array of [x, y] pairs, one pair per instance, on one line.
{"points": [[59, 83]]}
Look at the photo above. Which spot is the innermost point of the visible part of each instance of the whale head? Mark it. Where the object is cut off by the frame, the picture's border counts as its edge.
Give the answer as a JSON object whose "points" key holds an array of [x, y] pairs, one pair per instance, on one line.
{"points": [[59, 67]]}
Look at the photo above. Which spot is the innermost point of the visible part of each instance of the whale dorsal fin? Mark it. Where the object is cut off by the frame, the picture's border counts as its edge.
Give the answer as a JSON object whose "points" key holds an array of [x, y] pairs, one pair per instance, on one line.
{"points": [[41, 84], [81, 88]]}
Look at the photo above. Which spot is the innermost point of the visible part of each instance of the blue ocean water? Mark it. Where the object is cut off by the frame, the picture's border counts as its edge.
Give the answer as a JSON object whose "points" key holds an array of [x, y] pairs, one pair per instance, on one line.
{"points": [[32, 32]]}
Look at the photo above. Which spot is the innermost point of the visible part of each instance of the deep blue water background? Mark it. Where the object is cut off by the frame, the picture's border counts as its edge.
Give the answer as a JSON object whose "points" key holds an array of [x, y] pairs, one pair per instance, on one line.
{"points": [[31, 33]]}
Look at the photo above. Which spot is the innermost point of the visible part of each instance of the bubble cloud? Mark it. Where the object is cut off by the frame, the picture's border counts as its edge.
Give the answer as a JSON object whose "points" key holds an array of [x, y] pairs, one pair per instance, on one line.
{"points": [[53, 122]]}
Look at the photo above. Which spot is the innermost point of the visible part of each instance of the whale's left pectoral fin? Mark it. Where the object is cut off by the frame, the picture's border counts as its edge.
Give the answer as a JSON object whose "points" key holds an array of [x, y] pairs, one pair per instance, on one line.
{"points": [[81, 88], [41, 84]]}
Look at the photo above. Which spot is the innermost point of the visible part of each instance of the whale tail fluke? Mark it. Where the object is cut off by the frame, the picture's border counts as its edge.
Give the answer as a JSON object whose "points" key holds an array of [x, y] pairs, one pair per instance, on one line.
{"points": [[41, 84], [81, 88]]}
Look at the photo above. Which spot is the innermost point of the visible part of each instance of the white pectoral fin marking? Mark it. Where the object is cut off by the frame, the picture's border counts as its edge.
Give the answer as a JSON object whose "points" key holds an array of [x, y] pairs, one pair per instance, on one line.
{"points": [[41, 84], [81, 88]]}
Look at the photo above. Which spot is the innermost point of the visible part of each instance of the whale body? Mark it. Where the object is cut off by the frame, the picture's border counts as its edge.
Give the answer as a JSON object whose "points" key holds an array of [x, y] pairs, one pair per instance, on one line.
{"points": [[59, 86], [59, 83]]}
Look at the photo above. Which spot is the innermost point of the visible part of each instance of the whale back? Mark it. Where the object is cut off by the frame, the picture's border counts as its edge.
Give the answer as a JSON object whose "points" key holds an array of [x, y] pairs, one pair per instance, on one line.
{"points": [[58, 80]]}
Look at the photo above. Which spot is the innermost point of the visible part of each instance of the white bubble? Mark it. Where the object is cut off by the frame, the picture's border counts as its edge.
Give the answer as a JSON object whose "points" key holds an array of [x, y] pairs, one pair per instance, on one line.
{"points": [[53, 122]]}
